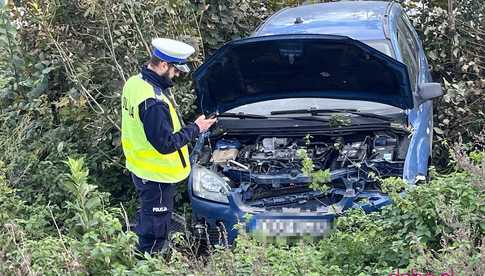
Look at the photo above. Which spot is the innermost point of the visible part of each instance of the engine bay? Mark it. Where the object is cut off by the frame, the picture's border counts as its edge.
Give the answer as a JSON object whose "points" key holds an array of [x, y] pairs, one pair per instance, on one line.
{"points": [[267, 169]]}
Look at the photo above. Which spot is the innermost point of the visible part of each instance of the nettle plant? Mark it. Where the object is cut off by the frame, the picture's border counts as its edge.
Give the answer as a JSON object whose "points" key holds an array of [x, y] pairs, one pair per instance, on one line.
{"points": [[320, 178]]}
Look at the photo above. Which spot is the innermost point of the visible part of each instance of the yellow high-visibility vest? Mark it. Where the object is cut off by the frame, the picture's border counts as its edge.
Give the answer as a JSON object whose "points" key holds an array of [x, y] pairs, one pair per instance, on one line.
{"points": [[142, 158]]}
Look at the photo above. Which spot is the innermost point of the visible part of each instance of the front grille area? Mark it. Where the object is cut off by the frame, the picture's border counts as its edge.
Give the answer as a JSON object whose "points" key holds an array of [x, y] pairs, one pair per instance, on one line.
{"points": [[211, 234]]}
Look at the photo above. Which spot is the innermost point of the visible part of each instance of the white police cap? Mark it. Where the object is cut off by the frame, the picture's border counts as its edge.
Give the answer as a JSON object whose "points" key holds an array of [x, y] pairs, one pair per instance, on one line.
{"points": [[173, 51]]}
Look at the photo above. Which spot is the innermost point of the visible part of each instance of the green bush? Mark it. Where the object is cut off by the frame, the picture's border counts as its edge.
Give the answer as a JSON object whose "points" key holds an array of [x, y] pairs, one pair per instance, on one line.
{"points": [[433, 228]]}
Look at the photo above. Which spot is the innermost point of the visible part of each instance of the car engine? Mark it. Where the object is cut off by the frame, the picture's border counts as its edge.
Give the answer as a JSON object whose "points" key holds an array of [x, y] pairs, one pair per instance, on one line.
{"points": [[275, 155], [268, 166]]}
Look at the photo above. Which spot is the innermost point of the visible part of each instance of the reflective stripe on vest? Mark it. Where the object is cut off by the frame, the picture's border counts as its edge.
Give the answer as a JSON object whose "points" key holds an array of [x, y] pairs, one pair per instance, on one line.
{"points": [[142, 158]]}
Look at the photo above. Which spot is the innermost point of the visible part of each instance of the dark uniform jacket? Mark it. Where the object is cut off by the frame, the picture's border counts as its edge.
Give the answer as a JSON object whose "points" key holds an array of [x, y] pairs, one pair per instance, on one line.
{"points": [[156, 119]]}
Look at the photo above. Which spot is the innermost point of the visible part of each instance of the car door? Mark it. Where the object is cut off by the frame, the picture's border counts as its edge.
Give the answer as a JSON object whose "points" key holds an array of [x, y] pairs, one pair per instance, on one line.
{"points": [[420, 117]]}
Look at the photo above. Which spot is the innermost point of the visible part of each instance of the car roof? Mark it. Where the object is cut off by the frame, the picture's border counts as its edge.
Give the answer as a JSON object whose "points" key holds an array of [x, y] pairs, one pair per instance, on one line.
{"points": [[361, 20]]}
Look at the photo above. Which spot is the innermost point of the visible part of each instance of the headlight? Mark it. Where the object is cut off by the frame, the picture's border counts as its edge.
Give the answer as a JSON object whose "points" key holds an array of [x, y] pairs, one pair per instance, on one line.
{"points": [[207, 184]]}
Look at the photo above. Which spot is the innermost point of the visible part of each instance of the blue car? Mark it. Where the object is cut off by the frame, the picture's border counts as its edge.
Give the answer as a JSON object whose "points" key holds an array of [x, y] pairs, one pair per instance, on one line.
{"points": [[345, 82]]}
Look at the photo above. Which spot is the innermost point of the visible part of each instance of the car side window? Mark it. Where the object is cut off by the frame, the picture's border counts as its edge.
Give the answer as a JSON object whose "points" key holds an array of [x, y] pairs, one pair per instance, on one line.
{"points": [[410, 36], [409, 51]]}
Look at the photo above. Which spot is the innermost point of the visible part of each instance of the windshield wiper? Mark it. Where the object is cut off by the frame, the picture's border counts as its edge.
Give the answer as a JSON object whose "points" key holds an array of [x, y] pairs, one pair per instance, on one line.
{"points": [[318, 119], [316, 112], [256, 116], [312, 111], [242, 115]]}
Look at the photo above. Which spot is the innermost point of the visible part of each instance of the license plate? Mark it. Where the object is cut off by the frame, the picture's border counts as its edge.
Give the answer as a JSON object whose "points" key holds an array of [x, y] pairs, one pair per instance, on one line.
{"points": [[292, 227]]}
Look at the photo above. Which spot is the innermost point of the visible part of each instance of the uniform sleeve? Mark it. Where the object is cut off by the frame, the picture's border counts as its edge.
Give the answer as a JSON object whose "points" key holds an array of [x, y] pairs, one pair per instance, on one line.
{"points": [[157, 123]]}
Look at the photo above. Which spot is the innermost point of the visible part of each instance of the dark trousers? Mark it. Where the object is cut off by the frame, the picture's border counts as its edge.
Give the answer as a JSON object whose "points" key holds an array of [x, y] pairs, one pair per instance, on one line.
{"points": [[156, 206]]}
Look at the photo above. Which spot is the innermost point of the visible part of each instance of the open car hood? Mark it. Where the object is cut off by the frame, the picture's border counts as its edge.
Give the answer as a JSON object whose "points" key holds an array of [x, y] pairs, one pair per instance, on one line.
{"points": [[299, 66]]}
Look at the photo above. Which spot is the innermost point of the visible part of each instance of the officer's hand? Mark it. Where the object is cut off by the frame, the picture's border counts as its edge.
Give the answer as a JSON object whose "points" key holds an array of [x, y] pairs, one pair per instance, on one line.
{"points": [[203, 123]]}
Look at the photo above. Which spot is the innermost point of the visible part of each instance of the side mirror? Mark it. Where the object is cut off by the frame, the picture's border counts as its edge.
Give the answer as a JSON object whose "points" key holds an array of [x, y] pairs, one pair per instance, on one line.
{"points": [[429, 90]]}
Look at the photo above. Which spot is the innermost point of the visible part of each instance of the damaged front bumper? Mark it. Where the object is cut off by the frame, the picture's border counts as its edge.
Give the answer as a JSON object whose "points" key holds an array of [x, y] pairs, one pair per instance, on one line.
{"points": [[218, 220]]}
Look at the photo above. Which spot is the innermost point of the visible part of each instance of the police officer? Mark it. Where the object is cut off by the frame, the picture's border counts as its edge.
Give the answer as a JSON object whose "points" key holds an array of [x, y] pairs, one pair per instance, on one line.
{"points": [[155, 139]]}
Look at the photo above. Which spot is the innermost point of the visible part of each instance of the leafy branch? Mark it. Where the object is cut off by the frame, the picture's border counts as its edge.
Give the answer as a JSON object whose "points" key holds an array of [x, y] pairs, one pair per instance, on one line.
{"points": [[319, 178], [85, 200]]}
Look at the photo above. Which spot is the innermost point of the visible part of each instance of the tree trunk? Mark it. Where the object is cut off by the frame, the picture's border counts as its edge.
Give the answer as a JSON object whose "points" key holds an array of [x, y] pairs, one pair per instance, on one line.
{"points": [[451, 26]]}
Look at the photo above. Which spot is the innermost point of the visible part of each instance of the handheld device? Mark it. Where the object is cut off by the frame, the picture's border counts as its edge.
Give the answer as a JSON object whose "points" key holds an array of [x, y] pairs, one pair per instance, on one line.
{"points": [[212, 115]]}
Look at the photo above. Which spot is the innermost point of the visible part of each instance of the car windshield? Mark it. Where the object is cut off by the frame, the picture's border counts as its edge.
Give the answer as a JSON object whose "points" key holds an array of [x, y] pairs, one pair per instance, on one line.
{"points": [[265, 108], [381, 46]]}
